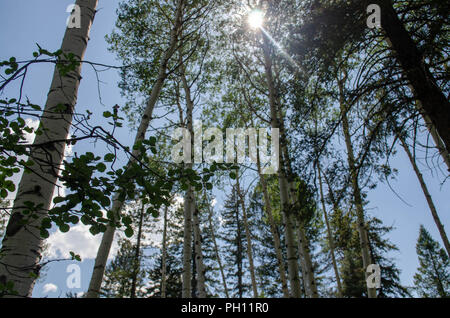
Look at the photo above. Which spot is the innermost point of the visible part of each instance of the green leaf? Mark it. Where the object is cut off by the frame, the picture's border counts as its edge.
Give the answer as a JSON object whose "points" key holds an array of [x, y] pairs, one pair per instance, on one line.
{"points": [[101, 167], [105, 201], [109, 157], [129, 232], [46, 223], [44, 233], [94, 230], [10, 186], [57, 200], [64, 228], [74, 219], [126, 220]]}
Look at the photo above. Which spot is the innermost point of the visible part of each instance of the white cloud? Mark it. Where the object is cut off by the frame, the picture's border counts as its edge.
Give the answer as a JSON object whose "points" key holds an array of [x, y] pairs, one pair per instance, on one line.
{"points": [[213, 202], [78, 240], [80, 294], [50, 288]]}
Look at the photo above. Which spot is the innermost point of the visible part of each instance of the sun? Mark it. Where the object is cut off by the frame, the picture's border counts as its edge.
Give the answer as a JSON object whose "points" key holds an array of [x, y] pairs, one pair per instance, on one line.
{"points": [[256, 19]]}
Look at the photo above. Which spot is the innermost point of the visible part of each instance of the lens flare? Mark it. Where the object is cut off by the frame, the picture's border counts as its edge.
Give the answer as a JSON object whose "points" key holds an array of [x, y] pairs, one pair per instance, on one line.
{"points": [[256, 19]]}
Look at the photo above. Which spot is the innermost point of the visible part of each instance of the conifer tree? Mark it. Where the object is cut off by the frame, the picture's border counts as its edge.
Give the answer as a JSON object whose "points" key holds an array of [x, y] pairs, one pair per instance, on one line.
{"points": [[350, 261], [233, 236], [432, 279], [120, 272]]}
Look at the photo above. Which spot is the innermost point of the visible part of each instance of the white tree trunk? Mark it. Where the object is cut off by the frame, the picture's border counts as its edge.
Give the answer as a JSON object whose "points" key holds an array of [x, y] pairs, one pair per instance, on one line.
{"points": [[303, 249], [164, 255], [200, 267], [216, 248], [248, 237], [292, 256], [187, 246], [307, 267], [108, 236], [22, 244], [192, 206], [362, 227], [427, 194], [329, 233], [276, 236]]}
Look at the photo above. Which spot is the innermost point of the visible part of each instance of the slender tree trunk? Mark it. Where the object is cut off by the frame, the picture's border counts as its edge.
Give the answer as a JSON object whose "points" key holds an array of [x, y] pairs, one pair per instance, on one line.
{"points": [[191, 204], [303, 249], [288, 216], [362, 226], [193, 271], [307, 267], [22, 245], [136, 264], [435, 104], [240, 286], [248, 237], [108, 236], [427, 194], [275, 234], [164, 255], [273, 227], [200, 267], [216, 248], [329, 233]]}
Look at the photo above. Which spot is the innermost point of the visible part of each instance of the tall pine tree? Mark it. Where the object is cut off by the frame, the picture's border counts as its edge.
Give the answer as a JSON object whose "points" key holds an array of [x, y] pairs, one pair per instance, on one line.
{"points": [[433, 275]]}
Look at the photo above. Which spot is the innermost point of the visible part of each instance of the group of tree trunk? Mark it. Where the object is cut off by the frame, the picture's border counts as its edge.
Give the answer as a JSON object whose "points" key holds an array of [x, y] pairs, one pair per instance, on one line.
{"points": [[304, 232]]}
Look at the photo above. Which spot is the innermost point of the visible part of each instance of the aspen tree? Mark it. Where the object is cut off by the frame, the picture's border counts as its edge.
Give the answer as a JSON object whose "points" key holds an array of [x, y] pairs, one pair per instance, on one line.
{"points": [[329, 232], [248, 237], [22, 244], [108, 236], [164, 255], [292, 256], [362, 226], [216, 248]]}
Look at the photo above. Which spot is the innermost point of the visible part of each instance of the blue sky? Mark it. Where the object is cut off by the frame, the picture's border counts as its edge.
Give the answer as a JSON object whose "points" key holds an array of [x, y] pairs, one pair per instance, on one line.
{"points": [[27, 22]]}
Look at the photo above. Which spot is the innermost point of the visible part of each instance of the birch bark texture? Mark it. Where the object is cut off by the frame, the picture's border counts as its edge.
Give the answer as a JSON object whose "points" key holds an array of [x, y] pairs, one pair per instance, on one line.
{"points": [[164, 255], [292, 255], [361, 223], [108, 236], [329, 233], [275, 234], [22, 244], [191, 209], [303, 245]]}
